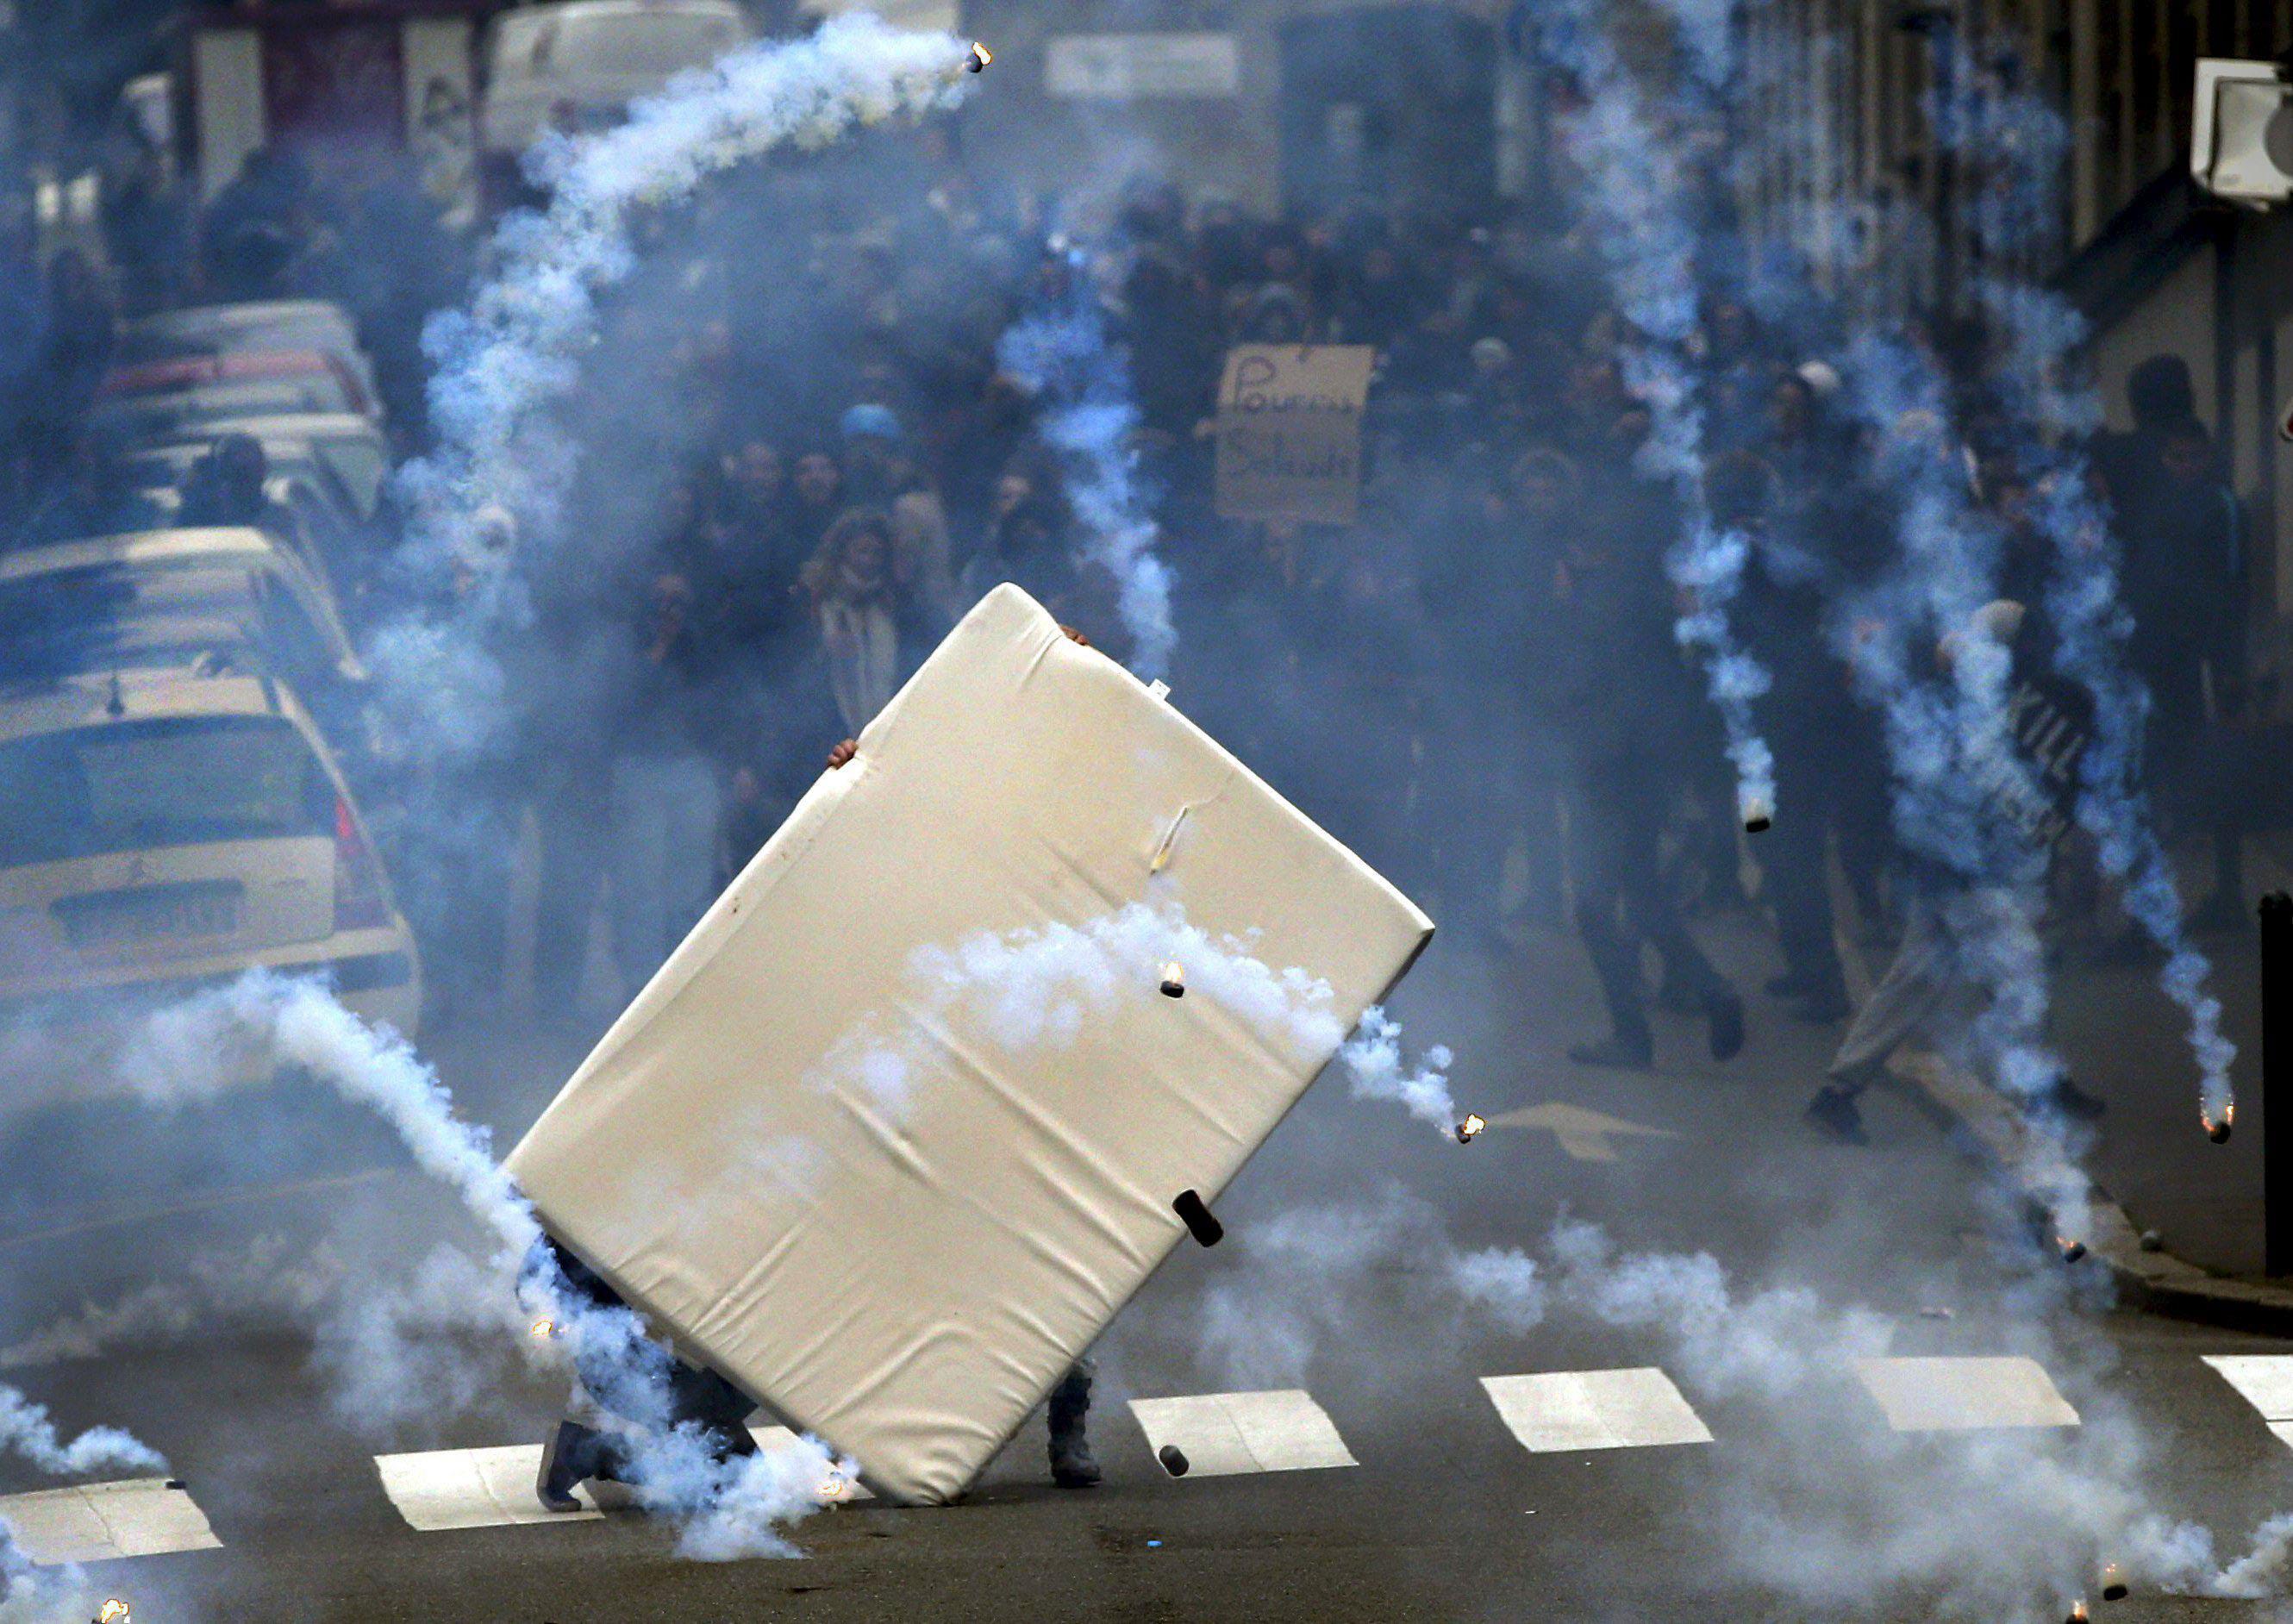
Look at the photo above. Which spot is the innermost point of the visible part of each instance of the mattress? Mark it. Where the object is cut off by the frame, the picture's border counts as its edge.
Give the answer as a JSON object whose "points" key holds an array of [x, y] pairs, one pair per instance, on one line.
{"points": [[907, 1117]]}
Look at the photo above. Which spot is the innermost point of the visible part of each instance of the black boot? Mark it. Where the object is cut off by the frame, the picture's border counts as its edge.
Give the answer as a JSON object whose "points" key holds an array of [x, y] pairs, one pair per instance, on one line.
{"points": [[1072, 1463], [1833, 1114], [570, 1459]]}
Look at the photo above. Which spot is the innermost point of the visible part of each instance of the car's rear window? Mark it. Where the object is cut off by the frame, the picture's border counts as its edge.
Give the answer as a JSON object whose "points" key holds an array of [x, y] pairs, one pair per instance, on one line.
{"points": [[128, 786]]}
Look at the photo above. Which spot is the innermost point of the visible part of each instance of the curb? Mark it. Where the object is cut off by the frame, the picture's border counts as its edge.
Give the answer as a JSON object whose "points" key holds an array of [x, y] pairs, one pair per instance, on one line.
{"points": [[2157, 1281]]}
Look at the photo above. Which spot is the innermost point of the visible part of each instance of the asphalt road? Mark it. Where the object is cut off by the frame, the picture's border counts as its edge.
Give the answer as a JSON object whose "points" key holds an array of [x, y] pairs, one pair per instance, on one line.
{"points": [[1804, 1504]]}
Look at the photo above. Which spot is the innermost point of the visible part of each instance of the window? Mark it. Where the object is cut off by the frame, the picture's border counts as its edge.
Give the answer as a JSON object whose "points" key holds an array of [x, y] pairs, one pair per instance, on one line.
{"points": [[132, 786]]}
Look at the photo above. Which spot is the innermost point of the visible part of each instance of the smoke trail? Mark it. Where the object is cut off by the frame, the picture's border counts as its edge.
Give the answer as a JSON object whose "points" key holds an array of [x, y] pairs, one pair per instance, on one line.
{"points": [[384, 1351], [504, 364], [27, 1596], [1040, 983], [27, 1430], [1951, 746], [1640, 189], [1064, 356], [2019, 146]]}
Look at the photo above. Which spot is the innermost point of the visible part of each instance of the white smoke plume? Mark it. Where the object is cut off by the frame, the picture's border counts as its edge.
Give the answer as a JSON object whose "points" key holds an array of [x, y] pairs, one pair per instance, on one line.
{"points": [[1950, 744], [1040, 983], [28, 1432], [1067, 358], [27, 1596], [398, 1349], [505, 363], [1638, 192], [1313, 1280], [261, 1283], [2019, 145]]}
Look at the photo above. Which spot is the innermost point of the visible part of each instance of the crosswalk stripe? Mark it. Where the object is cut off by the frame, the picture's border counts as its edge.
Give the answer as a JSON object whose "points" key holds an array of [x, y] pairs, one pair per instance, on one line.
{"points": [[2264, 1381], [1964, 1394], [1555, 1410], [1223, 1434], [142, 1516], [437, 1491]]}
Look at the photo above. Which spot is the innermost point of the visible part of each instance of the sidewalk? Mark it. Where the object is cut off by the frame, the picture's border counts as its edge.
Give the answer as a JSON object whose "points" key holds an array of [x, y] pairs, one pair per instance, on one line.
{"points": [[2152, 1277]]}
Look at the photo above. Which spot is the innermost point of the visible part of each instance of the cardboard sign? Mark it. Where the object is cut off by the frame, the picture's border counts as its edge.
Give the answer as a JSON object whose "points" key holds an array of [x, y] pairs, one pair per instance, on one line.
{"points": [[1289, 431]]}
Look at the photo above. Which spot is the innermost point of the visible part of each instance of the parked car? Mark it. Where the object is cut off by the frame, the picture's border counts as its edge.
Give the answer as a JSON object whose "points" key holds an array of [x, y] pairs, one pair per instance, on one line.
{"points": [[236, 329], [581, 62], [166, 829], [148, 402], [169, 597]]}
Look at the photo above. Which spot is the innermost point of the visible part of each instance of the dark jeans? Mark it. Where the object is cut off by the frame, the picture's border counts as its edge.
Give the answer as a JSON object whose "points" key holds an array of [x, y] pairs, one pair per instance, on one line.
{"points": [[1614, 824]]}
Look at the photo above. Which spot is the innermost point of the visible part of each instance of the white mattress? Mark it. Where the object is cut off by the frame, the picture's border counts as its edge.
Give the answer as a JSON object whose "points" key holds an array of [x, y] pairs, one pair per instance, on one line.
{"points": [[892, 1197]]}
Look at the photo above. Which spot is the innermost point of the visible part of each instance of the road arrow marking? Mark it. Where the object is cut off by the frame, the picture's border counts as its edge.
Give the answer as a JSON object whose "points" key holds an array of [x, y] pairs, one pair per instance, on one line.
{"points": [[1584, 1134]]}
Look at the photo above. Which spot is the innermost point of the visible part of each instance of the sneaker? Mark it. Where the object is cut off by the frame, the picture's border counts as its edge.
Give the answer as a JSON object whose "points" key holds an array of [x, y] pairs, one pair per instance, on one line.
{"points": [[1723, 1015], [1072, 1466], [568, 1460], [1616, 1051], [2072, 1100], [1833, 1114]]}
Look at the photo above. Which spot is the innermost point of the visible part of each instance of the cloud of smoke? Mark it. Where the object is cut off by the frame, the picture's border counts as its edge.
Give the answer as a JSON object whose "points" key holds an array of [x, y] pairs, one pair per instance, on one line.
{"points": [[28, 1595], [507, 360], [1311, 1280], [398, 1351], [1039, 984], [1065, 357]]}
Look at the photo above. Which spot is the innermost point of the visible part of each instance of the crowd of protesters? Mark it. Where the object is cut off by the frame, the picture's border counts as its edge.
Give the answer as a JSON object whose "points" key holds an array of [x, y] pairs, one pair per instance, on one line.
{"points": [[802, 459]]}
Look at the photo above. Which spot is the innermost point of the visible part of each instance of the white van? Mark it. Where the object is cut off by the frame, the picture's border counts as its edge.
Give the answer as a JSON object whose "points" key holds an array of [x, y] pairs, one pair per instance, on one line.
{"points": [[163, 831], [581, 62]]}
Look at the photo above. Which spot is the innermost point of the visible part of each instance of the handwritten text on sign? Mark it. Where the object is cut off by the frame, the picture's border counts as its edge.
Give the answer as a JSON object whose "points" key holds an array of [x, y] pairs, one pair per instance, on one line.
{"points": [[1289, 443]]}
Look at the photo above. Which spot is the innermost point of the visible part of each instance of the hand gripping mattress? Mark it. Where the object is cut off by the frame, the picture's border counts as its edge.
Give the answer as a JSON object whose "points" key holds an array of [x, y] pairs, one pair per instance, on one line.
{"points": [[897, 1130]]}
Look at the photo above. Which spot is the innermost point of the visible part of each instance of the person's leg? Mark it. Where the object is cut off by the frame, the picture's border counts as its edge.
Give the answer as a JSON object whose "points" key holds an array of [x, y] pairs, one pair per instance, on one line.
{"points": [[719, 1409], [1655, 915], [573, 1453], [1918, 980], [1598, 869], [1072, 1466], [1793, 863]]}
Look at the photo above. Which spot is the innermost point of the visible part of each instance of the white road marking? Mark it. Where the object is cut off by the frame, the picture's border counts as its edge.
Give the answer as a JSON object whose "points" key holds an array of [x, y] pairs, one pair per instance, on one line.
{"points": [[1556, 1411], [1222, 1434], [143, 1516], [440, 1490], [2265, 1381], [1945, 1394], [1584, 1134]]}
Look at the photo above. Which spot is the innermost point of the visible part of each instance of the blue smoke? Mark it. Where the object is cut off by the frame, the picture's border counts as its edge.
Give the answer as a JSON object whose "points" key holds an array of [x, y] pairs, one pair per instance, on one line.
{"points": [[1064, 355], [1639, 194]]}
